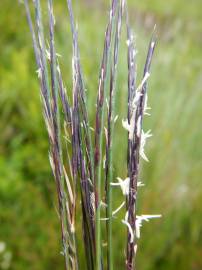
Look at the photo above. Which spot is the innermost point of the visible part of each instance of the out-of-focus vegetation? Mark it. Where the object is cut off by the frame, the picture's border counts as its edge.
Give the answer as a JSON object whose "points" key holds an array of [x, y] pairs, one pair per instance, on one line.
{"points": [[29, 224]]}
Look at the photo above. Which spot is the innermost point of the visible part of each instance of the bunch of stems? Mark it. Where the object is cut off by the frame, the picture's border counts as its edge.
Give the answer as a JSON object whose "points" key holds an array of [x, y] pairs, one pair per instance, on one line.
{"points": [[75, 160]]}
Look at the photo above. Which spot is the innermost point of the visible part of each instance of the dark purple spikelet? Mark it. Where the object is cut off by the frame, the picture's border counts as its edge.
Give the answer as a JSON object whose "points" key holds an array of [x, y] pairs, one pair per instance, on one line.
{"points": [[134, 144]]}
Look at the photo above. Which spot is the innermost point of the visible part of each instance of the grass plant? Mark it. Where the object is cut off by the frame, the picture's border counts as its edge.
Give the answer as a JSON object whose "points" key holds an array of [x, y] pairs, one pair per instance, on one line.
{"points": [[81, 156]]}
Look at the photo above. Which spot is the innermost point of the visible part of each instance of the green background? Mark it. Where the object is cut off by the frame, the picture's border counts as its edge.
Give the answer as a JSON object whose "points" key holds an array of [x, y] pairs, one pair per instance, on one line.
{"points": [[28, 218]]}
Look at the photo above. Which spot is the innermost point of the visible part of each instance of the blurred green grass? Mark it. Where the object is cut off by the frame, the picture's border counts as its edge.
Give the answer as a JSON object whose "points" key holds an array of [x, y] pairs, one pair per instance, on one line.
{"points": [[28, 219]]}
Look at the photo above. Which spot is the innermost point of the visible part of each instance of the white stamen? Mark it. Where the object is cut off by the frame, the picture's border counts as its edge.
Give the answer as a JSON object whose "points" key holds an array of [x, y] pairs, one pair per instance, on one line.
{"points": [[90, 182], [152, 44], [146, 106], [128, 42], [135, 248], [58, 69], [118, 209], [116, 118], [106, 134], [104, 219], [144, 137], [39, 73], [125, 185], [136, 99], [48, 56], [126, 125], [140, 184], [103, 204], [140, 219], [147, 75], [130, 230], [129, 127]]}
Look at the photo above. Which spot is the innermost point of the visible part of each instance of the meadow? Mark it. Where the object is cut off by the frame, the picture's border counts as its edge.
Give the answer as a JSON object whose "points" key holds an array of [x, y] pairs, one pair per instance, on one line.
{"points": [[29, 224]]}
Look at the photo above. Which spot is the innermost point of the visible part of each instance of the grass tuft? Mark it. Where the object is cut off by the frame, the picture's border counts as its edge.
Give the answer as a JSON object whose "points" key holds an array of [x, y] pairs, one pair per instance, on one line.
{"points": [[76, 162]]}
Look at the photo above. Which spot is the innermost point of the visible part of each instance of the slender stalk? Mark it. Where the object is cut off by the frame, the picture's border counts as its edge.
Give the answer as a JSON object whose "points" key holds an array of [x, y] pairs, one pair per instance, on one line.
{"points": [[109, 144], [103, 84]]}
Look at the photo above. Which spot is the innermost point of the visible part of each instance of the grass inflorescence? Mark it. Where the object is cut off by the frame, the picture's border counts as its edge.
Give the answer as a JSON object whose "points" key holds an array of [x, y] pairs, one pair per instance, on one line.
{"points": [[76, 153]]}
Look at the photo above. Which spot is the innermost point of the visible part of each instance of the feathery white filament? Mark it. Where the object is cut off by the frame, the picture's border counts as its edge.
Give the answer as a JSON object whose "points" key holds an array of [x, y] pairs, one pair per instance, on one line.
{"points": [[118, 209], [144, 137], [39, 73], [125, 185], [140, 219], [130, 230]]}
